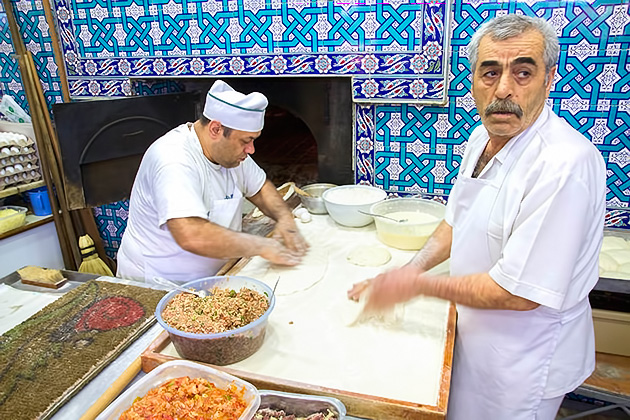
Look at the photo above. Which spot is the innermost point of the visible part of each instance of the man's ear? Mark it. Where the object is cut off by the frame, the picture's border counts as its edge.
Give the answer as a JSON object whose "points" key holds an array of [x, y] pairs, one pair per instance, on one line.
{"points": [[549, 78], [215, 129]]}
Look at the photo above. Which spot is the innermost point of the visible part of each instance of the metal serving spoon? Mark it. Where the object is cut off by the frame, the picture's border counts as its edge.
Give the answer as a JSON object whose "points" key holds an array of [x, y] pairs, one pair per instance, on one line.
{"points": [[384, 217], [168, 283]]}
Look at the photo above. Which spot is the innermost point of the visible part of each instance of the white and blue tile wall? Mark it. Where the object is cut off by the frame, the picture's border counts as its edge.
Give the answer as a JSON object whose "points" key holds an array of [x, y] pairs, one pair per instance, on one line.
{"points": [[407, 60]]}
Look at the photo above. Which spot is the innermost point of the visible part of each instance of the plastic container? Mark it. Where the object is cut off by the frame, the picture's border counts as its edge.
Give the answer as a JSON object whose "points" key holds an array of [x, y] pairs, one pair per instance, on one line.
{"points": [[177, 369], [10, 220], [344, 203], [301, 405], [315, 203], [612, 332], [40, 201], [423, 216], [221, 348]]}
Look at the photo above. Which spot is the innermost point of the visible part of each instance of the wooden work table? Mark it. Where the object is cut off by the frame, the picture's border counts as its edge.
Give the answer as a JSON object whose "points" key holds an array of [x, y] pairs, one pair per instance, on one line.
{"points": [[378, 371]]}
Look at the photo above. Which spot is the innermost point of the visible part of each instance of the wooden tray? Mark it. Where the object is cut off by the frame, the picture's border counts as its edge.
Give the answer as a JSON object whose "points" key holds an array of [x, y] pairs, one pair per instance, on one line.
{"points": [[359, 405]]}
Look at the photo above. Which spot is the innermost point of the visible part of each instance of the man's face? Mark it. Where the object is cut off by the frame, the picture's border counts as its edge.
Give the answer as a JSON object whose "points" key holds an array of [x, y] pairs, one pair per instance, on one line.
{"points": [[234, 149], [509, 85]]}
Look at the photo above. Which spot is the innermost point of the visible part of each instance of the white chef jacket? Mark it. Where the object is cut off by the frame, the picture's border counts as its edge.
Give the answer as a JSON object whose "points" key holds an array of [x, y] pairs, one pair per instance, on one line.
{"points": [[176, 180], [533, 220]]}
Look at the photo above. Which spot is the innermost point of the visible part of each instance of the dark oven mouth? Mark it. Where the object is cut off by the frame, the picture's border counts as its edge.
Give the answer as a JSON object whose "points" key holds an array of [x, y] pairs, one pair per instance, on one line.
{"points": [[307, 135]]}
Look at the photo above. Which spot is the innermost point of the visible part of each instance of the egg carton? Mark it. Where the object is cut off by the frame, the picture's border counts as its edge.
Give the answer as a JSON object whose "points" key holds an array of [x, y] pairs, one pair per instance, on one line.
{"points": [[18, 169], [13, 151], [14, 139], [23, 178], [22, 159]]}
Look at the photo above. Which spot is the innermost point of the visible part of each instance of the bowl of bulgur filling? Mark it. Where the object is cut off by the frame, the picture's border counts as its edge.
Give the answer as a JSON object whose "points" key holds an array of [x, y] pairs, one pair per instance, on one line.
{"points": [[225, 327]]}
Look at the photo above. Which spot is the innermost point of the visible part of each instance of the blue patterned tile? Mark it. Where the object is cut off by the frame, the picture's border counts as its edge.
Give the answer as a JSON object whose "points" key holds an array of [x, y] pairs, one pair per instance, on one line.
{"points": [[10, 80], [111, 221]]}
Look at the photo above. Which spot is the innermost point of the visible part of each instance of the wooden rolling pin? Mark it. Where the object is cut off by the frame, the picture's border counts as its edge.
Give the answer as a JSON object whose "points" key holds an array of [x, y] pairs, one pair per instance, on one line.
{"points": [[114, 389]]}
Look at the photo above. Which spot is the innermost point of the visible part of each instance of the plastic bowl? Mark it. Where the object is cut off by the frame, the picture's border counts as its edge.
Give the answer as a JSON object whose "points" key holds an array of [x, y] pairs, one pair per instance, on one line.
{"points": [[178, 369], [221, 348], [315, 204], [423, 216], [344, 202], [12, 217]]}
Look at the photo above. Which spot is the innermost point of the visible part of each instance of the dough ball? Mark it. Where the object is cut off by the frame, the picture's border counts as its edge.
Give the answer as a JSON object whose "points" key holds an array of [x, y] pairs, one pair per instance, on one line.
{"points": [[621, 256], [369, 256], [607, 263], [614, 242]]}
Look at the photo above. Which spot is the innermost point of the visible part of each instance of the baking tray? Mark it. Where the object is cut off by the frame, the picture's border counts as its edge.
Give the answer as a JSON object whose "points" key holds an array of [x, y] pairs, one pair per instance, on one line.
{"points": [[301, 405]]}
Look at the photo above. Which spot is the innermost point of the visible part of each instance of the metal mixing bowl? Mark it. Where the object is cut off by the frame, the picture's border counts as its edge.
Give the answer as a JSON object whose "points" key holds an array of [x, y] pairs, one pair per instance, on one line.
{"points": [[315, 204]]}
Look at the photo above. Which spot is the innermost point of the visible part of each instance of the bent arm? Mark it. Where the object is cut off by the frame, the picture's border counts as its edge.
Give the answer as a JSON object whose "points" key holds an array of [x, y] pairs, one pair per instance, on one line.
{"points": [[436, 250], [269, 201], [208, 239], [475, 290]]}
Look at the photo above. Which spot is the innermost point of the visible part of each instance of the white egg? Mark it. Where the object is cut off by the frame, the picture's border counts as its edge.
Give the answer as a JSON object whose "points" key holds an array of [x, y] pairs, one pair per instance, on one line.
{"points": [[305, 217]]}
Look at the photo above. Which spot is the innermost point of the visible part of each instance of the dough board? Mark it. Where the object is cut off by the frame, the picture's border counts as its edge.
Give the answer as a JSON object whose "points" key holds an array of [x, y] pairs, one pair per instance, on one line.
{"points": [[377, 370]]}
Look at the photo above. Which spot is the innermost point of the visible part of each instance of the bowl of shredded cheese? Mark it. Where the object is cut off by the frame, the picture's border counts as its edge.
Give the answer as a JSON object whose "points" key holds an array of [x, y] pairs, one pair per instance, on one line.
{"points": [[224, 327], [182, 389], [11, 217]]}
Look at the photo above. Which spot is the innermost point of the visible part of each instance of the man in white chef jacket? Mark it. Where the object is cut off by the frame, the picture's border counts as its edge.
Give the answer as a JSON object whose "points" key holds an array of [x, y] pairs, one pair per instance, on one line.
{"points": [[185, 208], [523, 229]]}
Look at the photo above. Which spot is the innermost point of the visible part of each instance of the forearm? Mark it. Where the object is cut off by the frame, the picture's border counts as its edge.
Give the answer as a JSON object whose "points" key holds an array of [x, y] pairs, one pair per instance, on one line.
{"points": [[207, 239], [475, 290], [436, 250], [269, 201]]}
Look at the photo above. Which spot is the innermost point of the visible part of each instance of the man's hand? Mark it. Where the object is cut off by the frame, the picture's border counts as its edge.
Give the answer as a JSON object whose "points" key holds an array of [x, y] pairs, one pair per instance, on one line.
{"points": [[277, 253], [287, 231], [389, 288]]}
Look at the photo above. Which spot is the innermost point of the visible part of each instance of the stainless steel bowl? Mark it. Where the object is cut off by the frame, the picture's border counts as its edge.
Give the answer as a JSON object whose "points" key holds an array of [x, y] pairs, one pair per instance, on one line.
{"points": [[315, 204], [301, 405]]}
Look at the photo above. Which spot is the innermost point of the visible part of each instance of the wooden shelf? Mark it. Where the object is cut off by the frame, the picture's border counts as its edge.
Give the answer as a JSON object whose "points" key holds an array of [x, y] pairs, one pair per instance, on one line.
{"points": [[21, 188], [32, 221]]}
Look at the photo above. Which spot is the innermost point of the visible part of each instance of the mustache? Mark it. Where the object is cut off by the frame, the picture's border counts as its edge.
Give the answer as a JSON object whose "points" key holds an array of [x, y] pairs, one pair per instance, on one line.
{"points": [[504, 105]]}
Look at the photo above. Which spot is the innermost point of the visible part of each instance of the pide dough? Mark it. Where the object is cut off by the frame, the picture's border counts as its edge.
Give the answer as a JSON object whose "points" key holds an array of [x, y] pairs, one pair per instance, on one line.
{"points": [[614, 242], [621, 256], [607, 263], [369, 256], [301, 277]]}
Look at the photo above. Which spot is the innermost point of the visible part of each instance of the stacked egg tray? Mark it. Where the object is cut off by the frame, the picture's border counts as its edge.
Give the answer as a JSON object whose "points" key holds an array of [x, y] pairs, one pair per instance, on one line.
{"points": [[19, 163]]}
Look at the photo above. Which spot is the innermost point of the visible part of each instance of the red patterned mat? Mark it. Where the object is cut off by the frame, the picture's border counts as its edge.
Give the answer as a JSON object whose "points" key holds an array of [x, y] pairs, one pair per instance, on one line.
{"points": [[50, 356]]}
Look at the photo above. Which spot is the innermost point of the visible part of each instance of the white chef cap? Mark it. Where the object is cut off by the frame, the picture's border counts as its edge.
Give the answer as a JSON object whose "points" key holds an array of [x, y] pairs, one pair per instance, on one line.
{"points": [[235, 110]]}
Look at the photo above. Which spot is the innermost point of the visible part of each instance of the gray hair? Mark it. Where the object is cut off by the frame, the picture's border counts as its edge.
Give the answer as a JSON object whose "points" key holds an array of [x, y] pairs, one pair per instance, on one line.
{"points": [[509, 26]]}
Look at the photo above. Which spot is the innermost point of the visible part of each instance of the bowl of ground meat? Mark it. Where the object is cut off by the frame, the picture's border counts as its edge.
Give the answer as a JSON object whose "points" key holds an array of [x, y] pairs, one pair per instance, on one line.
{"points": [[224, 327]]}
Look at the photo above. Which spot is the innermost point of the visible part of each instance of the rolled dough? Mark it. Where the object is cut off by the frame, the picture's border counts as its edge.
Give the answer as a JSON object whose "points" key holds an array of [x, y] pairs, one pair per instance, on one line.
{"points": [[369, 256], [299, 278], [614, 242], [621, 256], [607, 263]]}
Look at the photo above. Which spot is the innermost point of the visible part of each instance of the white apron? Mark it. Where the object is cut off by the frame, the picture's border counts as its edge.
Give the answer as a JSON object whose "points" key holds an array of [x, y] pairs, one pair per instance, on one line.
{"points": [[501, 357]]}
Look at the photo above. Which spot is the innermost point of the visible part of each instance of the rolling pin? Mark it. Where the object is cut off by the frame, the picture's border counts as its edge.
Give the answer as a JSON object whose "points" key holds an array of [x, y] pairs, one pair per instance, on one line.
{"points": [[114, 389]]}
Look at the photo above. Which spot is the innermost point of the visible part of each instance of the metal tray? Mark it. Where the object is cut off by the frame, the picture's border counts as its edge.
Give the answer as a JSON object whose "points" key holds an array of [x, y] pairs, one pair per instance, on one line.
{"points": [[301, 405]]}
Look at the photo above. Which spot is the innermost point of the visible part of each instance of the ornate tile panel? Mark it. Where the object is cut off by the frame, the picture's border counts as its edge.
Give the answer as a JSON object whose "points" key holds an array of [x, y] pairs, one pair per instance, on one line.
{"points": [[10, 80], [364, 144], [111, 221], [396, 39]]}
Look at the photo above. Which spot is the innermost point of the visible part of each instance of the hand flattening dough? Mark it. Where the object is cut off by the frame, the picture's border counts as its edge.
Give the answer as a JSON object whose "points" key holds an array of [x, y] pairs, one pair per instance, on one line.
{"points": [[369, 256]]}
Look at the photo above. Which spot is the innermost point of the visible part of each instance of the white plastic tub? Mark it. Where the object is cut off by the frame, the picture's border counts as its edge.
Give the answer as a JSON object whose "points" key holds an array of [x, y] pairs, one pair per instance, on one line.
{"points": [[177, 369]]}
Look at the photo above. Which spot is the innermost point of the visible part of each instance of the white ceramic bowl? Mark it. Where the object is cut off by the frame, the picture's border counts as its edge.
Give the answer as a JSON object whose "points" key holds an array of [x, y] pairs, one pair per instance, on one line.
{"points": [[344, 202], [422, 217]]}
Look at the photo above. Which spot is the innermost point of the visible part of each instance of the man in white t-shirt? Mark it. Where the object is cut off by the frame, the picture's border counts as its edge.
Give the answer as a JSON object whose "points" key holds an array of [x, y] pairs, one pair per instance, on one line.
{"points": [[185, 209], [523, 229]]}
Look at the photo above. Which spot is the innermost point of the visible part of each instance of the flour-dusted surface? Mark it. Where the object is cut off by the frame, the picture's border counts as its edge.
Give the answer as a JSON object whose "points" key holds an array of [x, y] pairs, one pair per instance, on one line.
{"points": [[309, 340]]}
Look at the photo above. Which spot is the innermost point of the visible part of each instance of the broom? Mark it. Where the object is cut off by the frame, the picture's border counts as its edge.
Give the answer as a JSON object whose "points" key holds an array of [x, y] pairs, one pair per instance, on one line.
{"points": [[92, 263]]}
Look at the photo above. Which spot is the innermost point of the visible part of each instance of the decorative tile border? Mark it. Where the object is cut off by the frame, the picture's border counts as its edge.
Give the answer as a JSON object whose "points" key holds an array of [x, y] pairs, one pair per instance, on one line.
{"points": [[394, 39]]}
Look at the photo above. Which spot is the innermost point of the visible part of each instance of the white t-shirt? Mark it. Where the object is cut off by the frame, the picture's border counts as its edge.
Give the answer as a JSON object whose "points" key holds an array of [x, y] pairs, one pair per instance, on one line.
{"points": [[545, 232], [176, 180]]}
